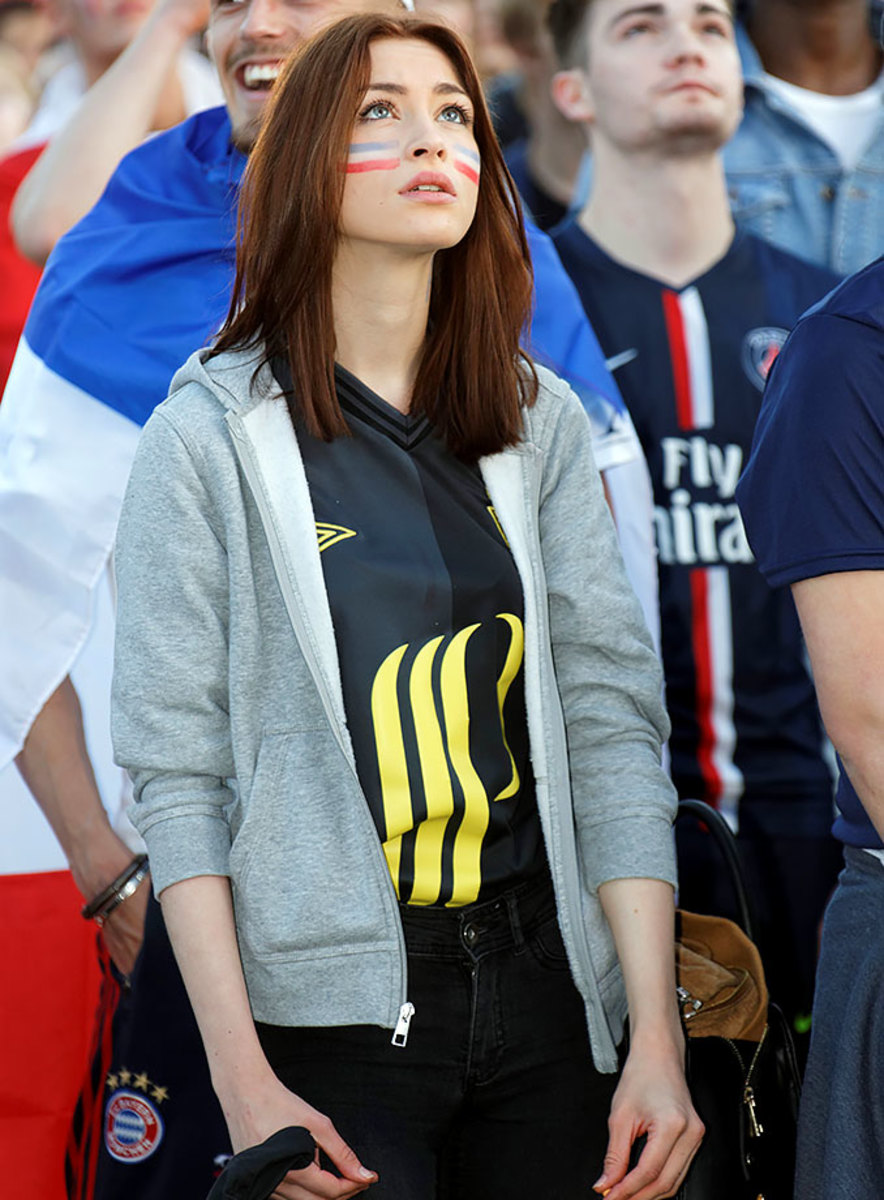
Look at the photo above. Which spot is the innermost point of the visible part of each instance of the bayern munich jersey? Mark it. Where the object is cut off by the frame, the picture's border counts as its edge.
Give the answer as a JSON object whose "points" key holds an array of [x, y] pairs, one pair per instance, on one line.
{"points": [[692, 366]]}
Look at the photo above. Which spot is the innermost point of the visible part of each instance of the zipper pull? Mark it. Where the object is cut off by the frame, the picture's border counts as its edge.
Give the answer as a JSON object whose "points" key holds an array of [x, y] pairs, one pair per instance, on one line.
{"points": [[400, 1033], [756, 1129]]}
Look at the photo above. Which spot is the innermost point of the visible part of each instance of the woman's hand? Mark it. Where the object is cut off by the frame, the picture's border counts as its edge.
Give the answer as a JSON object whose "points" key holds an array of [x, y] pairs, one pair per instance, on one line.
{"points": [[271, 1107], [652, 1098]]}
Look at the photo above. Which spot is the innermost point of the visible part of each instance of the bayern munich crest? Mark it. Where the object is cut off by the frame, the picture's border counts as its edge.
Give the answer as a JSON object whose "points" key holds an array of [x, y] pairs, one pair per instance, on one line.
{"points": [[133, 1127], [760, 350]]}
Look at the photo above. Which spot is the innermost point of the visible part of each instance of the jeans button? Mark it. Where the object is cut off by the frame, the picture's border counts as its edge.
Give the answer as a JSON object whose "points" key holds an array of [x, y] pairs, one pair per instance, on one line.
{"points": [[470, 935]]}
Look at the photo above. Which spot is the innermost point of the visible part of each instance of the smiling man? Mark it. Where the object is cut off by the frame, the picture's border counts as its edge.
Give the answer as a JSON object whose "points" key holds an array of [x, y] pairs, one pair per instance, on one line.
{"points": [[703, 309]]}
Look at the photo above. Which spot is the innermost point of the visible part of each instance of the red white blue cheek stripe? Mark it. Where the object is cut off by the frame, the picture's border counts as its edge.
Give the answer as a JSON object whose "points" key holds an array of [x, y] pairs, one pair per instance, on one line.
{"points": [[468, 162], [372, 156]]}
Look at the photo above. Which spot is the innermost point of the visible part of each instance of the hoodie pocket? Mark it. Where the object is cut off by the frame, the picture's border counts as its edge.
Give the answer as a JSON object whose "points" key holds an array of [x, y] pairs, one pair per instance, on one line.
{"points": [[306, 864]]}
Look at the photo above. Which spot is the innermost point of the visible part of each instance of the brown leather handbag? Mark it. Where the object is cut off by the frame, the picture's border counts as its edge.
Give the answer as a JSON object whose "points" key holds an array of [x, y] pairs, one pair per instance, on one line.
{"points": [[741, 1065]]}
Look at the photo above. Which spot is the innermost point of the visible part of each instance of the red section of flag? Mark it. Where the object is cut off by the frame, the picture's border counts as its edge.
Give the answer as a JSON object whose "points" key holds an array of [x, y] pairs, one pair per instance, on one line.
{"points": [[372, 164], [49, 991], [20, 277], [701, 637], [466, 169], [678, 353]]}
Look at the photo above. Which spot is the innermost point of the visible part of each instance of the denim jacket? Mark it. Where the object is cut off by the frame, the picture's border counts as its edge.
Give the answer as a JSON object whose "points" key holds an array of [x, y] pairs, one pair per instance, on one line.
{"points": [[789, 187]]}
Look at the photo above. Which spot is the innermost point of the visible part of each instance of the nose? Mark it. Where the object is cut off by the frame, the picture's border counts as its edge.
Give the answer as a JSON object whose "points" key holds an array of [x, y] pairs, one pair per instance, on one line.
{"points": [[686, 46], [426, 141], [263, 19]]}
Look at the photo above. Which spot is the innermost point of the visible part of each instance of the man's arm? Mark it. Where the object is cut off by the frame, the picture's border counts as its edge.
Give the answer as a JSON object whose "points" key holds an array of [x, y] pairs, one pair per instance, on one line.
{"points": [[841, 618], [114, 117], [55, 765]]}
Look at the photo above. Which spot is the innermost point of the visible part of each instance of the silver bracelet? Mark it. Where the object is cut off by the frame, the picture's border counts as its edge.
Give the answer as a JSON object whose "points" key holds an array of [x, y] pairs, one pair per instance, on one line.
{"points": [[127, 889]]}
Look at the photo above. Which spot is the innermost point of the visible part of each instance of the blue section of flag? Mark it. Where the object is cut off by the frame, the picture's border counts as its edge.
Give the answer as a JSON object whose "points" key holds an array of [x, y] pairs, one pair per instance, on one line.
{"points": [[561, 335], [145, 278]]}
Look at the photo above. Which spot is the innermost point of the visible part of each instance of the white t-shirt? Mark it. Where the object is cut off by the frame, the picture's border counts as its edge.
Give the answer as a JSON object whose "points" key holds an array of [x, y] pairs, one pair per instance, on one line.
{"points": [[845, 123]]}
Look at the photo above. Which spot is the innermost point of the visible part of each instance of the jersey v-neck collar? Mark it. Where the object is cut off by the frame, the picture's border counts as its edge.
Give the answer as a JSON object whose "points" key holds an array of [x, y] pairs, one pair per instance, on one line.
{"points": [[359, 401]]}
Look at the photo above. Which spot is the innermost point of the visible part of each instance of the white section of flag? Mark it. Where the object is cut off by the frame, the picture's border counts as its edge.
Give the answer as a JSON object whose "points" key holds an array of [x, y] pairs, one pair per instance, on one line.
{"points": [[64, 463], [696, 335]]}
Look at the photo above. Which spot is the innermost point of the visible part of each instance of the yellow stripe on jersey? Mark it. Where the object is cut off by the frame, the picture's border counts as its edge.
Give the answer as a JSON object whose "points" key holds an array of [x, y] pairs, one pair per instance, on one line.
{"points": [[510, 671], [395, 789], [435, 733], [436, 779]]}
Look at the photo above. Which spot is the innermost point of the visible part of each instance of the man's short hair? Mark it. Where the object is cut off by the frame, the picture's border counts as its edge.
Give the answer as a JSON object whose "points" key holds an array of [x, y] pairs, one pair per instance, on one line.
{"points": [[566, 20]]}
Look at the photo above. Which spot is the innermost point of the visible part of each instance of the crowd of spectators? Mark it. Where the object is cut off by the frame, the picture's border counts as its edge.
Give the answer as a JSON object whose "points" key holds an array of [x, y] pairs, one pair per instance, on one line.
{"points": [[736, 230]]}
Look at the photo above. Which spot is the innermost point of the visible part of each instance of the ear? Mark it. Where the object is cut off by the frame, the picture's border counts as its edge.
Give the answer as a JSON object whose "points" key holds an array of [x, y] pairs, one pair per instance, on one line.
{"points": [[571, 95]]}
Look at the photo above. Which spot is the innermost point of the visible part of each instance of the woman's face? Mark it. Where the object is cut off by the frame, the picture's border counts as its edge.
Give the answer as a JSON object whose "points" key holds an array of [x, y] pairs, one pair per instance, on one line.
{"points": [[413, 166]]}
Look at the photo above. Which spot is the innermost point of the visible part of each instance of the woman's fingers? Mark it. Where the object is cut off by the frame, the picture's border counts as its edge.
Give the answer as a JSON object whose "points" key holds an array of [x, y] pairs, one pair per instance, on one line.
{"points": [[342, 1156]]}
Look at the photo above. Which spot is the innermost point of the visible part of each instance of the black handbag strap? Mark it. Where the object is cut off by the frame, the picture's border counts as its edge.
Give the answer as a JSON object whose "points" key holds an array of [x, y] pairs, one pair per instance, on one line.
{"points": [[727, 844]]}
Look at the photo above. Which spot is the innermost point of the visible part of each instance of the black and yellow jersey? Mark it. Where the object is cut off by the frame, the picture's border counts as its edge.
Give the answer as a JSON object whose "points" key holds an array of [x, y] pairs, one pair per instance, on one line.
{"points": [[427, 609]]}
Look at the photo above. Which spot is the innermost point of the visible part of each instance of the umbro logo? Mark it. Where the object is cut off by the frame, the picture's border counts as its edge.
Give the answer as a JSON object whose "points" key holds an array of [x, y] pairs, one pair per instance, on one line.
{"points": [[330, 535]]}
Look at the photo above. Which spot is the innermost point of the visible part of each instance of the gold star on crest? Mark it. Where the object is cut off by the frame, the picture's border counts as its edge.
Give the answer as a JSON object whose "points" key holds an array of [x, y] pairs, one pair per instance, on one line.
{"points": [[125, 1075], [141, 1082], [112, 1082], [159, 1093]]}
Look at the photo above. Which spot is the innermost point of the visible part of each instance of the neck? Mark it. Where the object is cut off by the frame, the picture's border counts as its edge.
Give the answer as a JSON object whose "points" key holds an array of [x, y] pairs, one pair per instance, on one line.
{"points": [[666, 217], [823, 45], [555, 149], [381, 305]]}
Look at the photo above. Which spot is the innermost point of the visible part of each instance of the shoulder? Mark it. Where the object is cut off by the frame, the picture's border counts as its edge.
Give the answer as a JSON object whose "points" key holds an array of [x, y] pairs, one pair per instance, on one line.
{"points": [[806, 281], [556, 411]]}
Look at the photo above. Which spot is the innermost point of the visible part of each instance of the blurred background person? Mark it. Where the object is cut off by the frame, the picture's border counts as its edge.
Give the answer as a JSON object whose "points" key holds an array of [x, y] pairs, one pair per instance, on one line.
{"points": [[698, 311], [806, 167], [94, 36], [17, 97]]}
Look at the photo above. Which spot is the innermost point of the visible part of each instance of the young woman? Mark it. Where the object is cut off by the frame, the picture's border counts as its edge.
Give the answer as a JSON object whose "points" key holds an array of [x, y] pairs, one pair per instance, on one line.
{"points": [[392, 714]]}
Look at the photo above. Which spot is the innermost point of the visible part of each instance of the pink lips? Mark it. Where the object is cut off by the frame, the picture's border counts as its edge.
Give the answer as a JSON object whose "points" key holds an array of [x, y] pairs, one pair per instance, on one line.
{"points": [[429, 179]]}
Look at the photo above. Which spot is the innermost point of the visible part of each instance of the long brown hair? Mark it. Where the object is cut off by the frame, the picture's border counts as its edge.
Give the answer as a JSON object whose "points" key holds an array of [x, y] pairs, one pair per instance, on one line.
{"points": [[473, 375]]}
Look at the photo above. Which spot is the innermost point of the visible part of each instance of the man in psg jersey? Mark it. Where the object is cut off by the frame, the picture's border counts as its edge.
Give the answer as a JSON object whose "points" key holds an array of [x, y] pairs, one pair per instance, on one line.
{"points": [[695, 312]]}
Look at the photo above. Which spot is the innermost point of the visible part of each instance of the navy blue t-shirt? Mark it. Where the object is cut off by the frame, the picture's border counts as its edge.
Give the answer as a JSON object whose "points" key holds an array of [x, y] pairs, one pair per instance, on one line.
{"points": [[812, 495], [746, 731]]}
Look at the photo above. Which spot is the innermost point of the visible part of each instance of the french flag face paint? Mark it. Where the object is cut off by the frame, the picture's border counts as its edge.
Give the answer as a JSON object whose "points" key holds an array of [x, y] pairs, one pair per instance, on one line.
{"points": [[468, 162], [372, 156]]}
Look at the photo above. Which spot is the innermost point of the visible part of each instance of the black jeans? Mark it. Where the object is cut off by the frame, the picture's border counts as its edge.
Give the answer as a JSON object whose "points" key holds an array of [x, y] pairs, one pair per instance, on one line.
{"points": [[495, 1094]]}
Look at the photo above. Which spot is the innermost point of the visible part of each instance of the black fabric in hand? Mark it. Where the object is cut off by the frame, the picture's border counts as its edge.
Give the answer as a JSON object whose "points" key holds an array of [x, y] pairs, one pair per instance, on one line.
{"points": [[255, 1173]]}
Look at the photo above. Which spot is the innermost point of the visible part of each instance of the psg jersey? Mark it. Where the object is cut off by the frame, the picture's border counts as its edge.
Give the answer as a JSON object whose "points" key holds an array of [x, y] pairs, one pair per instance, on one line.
{"points": [[693, 362], [427, 608]]}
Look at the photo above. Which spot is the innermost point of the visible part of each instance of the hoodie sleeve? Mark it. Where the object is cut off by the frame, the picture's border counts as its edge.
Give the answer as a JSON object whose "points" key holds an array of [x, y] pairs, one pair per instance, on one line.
{"points": [[609, 678], [170, 712]]}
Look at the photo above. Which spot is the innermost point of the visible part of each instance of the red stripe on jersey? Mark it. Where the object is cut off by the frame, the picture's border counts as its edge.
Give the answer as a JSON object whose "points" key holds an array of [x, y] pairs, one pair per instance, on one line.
{"points": [[678, 353], [701, 636], [96, 1117]]}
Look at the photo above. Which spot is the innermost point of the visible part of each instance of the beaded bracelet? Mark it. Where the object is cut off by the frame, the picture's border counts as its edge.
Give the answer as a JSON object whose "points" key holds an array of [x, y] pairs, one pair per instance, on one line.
{"points": [[124, 886]]}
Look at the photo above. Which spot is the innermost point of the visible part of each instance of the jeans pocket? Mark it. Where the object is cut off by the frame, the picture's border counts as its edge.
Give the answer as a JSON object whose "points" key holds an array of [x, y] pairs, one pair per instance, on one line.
{"points": [[547, 947]]}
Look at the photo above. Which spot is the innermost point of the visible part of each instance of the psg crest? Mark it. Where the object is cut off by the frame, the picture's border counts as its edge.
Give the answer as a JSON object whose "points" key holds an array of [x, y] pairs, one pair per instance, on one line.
{"points": [[760, 350]]}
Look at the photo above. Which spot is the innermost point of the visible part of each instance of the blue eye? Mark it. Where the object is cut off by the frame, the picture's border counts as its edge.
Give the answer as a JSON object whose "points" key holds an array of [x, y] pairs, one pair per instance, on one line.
{"points": [[455, 114], [378, 110]]}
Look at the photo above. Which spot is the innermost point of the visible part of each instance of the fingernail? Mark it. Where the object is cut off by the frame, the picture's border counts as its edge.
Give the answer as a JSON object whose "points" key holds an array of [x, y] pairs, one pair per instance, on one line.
{"points": [[366, 1174]]}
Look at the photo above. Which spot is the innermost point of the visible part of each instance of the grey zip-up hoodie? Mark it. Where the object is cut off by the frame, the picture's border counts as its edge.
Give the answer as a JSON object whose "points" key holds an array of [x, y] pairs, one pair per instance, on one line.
{"points": [[228, 708]]}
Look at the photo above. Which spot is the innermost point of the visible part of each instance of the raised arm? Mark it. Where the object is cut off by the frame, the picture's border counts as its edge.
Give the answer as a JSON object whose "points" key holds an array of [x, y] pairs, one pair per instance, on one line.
{"points": [[841, 619], [55, 765], [140, 92]]}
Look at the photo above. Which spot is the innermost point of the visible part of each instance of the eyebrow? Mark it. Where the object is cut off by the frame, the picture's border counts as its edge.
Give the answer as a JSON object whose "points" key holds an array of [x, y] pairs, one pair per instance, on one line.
{"points": [[441, 89], [659, 10]]}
